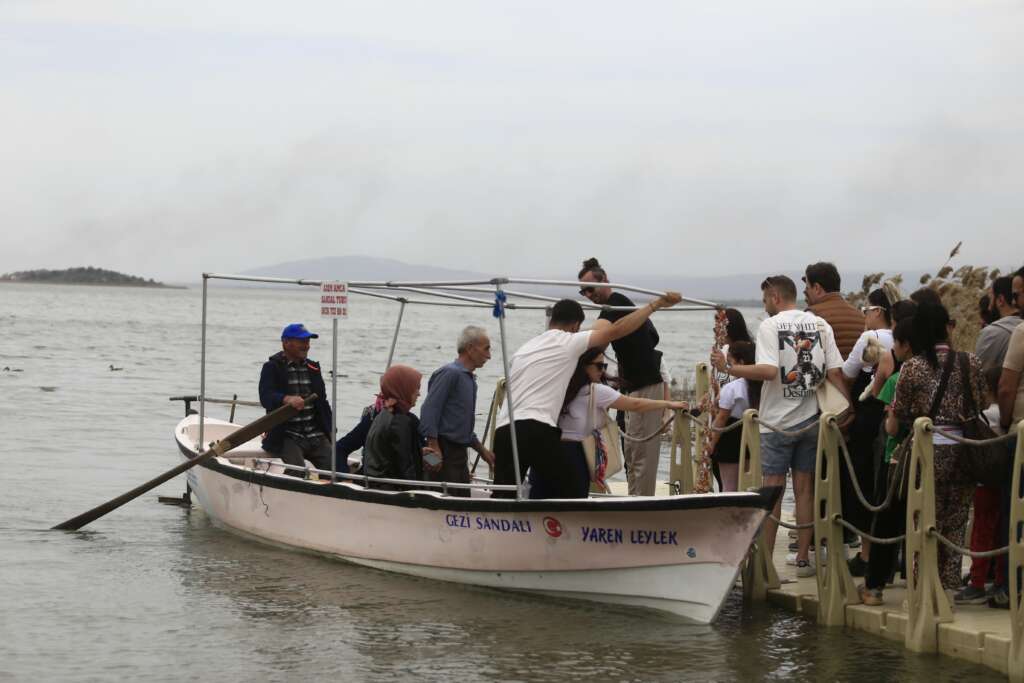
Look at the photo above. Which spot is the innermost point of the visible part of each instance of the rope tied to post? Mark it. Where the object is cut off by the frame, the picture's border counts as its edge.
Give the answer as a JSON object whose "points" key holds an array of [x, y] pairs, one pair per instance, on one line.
{"points": [[658, 432], [720, 430]]}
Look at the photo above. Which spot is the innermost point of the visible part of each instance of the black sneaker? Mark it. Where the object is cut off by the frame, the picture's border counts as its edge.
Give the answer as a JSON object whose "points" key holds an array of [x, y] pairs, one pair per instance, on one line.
{"points": [[999, 598], [858, 567], [973, 596]]}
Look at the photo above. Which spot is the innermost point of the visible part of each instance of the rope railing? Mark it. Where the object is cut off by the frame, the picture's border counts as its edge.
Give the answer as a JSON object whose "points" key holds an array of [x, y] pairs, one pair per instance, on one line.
{"points": [[893, 483], [977, 554], [787, 525], [652, 435], [870, 537], [698, 419], [963, 440]]}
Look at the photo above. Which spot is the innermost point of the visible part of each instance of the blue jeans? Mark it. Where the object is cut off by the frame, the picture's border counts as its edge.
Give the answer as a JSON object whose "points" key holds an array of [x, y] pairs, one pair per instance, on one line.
{"points": [[781, 452]]}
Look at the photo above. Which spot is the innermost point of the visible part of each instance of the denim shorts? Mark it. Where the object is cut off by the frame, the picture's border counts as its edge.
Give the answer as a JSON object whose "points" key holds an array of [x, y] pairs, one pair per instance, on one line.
{"points": [[780, 452]]}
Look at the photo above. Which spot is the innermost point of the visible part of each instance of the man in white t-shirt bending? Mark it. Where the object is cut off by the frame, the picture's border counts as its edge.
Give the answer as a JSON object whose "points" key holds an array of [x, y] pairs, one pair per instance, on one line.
{"points": [[538, 378], [796, 351]]}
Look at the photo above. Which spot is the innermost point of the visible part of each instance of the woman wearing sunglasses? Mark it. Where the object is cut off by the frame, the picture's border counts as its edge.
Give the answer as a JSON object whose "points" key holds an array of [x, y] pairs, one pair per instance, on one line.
{"points": [[859, 370], [588, 376]]}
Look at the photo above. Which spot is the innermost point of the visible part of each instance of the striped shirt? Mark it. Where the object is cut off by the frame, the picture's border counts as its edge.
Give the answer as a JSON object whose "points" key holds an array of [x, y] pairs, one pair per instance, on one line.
{"points": [[302, 425]]}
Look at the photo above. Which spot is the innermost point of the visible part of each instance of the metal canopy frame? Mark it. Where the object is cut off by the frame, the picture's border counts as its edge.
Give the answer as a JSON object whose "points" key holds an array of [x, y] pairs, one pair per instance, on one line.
{"points": [[451, 293]]}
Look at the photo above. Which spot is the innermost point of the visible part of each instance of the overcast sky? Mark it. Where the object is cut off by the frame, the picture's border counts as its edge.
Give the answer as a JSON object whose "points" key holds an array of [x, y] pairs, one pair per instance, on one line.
{"points": [[165, 138]]}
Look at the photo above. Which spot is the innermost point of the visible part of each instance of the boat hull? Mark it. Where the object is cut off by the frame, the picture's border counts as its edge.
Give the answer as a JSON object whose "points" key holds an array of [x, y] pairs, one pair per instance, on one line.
{"points": [[678, 554]]}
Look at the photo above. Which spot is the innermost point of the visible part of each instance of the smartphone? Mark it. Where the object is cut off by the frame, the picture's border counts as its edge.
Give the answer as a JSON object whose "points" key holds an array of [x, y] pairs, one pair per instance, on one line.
{"points": [[432, 458]]}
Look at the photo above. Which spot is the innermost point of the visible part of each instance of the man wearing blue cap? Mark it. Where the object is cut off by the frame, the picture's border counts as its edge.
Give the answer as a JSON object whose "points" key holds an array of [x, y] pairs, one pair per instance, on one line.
{"points": [[286, 379]]}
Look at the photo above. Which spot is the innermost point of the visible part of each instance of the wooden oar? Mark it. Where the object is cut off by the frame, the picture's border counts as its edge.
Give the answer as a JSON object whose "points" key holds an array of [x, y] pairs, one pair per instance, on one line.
{"points": [[235, 438]]}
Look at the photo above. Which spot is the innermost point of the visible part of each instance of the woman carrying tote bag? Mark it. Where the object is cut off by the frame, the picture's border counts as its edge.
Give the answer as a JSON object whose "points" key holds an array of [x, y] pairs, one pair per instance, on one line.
{"points": [[578, 421], [920, 379]]}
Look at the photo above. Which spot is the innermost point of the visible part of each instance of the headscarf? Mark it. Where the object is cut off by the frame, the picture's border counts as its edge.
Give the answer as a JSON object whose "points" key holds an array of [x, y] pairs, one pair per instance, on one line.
{"points": [[398, 386]]}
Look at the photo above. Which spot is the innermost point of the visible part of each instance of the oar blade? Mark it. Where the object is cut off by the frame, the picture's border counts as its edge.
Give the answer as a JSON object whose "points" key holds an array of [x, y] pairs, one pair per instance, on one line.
{"points": [[232, 440]]}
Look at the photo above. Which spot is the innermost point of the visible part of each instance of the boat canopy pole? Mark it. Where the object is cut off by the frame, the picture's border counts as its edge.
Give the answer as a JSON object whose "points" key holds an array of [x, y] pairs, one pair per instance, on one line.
{"points": [[443, 295], [628, 288], [334, 396], [202, 371], [554, 299], [499, 313], [394, 339], [464, 285]]}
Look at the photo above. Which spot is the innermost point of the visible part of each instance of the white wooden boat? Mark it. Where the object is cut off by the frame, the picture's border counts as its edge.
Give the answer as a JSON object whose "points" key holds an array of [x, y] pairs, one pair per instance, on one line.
{"points": [[679, 554]]}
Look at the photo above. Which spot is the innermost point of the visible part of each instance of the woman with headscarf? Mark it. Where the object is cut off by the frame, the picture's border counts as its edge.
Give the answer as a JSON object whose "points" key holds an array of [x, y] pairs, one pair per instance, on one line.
{"points": [[394, 448]]}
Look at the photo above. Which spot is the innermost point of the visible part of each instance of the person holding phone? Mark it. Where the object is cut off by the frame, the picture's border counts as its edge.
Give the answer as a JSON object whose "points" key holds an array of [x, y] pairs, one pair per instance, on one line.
{"points": [[449, 412]]}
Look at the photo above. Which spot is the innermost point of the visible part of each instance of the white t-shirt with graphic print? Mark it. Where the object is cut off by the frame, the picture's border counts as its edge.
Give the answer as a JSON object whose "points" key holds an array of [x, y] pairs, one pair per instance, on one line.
{"points": [[803, 347]]}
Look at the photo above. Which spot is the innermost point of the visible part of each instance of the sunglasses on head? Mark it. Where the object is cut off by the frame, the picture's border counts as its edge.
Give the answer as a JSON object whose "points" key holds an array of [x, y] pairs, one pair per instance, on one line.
{"points": [[865, 309], [600, 366]]}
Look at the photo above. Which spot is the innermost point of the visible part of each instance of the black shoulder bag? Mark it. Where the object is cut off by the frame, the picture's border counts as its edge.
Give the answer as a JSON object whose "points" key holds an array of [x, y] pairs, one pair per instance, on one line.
{"points": [[987, 464]]}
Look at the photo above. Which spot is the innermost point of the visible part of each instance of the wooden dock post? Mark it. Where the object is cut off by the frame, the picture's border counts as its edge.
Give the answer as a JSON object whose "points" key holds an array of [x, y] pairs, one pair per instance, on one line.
{"points": [[927, 604], [1015, 568], [759, 573], [836, 589], [680, 464]]}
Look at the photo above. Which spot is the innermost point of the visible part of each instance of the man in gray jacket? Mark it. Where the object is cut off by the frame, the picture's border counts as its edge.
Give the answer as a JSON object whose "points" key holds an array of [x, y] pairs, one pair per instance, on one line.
{"points": [[994, 338]]}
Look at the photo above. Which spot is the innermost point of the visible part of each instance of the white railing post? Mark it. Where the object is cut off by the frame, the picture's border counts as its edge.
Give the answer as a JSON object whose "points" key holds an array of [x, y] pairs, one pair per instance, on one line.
{"points": [[759, 575], [836, 589], [927, 604]]}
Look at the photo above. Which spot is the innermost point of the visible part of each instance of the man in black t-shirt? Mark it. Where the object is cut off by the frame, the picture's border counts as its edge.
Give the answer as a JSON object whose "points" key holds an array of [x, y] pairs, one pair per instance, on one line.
{"points": [[639, 375]]}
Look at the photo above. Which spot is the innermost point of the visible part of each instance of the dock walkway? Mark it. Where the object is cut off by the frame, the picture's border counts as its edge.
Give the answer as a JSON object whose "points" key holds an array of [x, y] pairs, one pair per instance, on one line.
{"points": [[979, 633]]}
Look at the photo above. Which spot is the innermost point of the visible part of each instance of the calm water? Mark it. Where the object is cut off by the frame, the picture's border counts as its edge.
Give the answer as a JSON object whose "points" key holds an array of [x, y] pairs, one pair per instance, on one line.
{"points": [[153, 592]]}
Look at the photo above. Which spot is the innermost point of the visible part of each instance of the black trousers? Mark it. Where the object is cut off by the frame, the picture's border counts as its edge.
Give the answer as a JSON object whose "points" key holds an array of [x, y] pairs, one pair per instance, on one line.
{"points": [[573, 475], [454, 466], [296, 450], [866, 454], [539, 446], [888, 523]]}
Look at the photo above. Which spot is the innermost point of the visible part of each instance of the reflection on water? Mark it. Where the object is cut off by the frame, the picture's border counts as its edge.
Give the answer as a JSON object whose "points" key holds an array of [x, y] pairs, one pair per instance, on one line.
{"points": [[153, 592]]}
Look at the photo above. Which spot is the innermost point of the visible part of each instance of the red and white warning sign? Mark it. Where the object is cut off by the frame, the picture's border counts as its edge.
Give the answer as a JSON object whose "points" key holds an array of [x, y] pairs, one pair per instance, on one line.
{"points": [[333, 299]]}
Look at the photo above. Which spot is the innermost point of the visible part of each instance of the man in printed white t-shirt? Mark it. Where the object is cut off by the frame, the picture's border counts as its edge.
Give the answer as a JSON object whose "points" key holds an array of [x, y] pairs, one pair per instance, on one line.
{"points": [[796, 352], [538, 378]]}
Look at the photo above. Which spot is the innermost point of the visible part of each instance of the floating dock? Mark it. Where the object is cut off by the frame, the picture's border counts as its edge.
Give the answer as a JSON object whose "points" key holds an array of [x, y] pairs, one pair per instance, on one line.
{"points": [[979, 633]]}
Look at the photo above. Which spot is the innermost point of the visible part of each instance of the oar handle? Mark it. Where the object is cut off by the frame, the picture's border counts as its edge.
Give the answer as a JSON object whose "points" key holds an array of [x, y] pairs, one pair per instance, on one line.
{"points": [[232, 440]]}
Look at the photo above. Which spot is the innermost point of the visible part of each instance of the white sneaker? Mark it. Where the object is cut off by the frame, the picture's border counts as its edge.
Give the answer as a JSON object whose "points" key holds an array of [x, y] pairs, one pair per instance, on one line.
{"points": [[805, 569], [791, 558]]}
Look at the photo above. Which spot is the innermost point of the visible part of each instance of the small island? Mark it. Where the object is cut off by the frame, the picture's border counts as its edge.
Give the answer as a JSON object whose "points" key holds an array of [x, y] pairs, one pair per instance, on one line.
{"points": [[82, 276]]}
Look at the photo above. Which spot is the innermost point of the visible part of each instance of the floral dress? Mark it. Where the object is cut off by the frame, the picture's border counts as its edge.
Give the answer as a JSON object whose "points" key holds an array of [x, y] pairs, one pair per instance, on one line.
{"points": [[954, 485]]}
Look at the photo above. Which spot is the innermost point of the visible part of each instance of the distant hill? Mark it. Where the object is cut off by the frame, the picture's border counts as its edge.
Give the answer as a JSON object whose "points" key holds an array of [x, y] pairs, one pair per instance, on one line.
{"points": [[362, 268], [80, 276], [744, 287]]}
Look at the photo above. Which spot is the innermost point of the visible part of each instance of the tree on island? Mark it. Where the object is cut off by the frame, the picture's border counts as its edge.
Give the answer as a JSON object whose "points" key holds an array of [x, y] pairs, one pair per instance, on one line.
{"points": [[88, 275]]}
